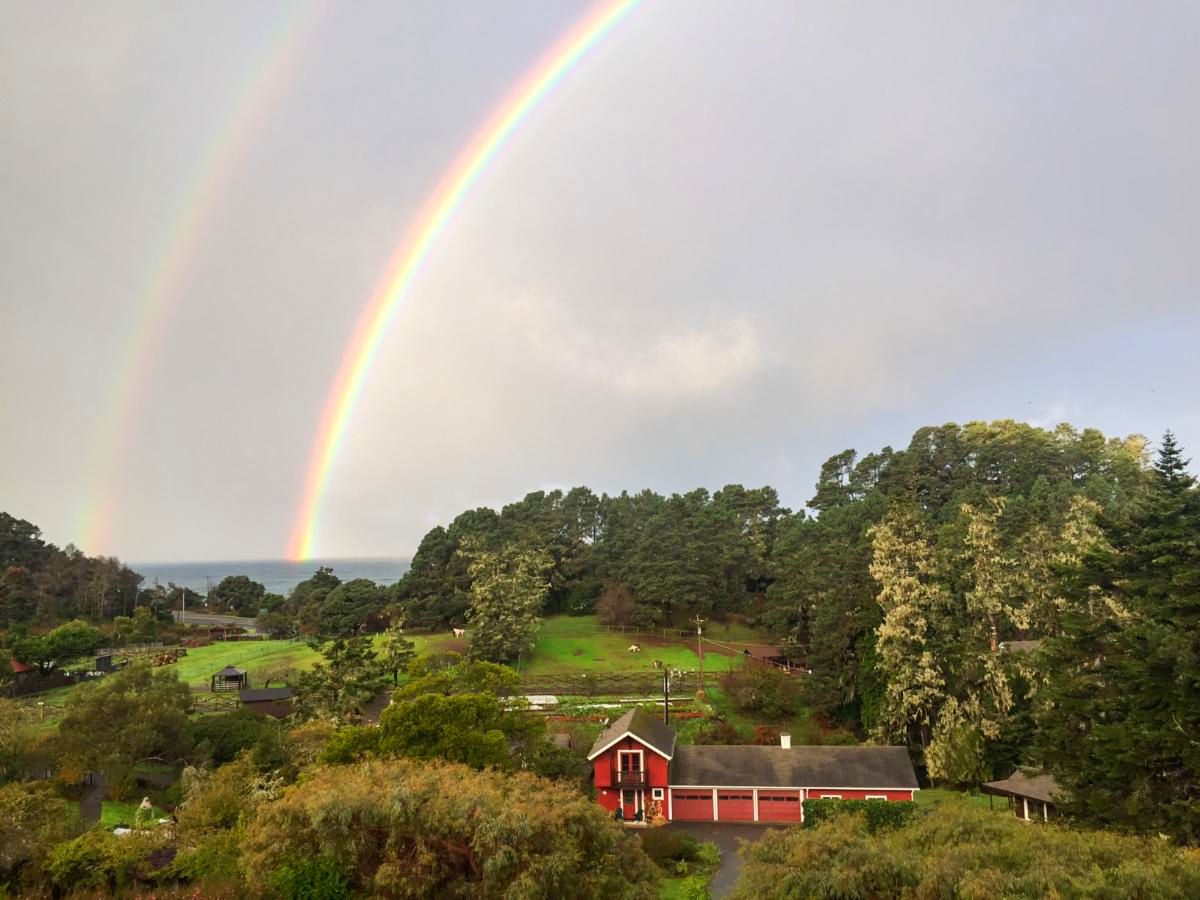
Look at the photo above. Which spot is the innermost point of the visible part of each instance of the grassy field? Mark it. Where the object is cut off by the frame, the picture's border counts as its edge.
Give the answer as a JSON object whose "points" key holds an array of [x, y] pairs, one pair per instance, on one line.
{"points": [[566, 644], [255, 657], [113, 813], [931, 797]]}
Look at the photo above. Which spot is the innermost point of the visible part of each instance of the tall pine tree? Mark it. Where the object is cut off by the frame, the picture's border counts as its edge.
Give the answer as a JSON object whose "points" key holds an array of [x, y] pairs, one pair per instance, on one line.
{"points": [[1120, 728]]}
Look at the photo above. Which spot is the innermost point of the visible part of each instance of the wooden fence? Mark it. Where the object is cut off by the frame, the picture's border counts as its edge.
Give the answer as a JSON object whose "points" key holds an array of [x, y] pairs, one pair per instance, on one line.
{"points": [[604, 684]]}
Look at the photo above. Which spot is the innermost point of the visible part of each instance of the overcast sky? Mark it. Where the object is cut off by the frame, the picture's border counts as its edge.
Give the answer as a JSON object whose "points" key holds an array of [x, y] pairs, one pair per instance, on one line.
{"points": [[738, 238]]}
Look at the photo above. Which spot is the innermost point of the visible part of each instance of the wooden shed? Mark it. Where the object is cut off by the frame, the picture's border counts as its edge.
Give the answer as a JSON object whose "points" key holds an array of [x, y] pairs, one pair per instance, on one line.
{"points": [[274, 702]]}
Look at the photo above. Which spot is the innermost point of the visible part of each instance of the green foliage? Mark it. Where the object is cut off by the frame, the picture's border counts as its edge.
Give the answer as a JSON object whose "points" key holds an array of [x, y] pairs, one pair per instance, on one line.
{"points": [[1119, 721], [351, 743], [508, 592], [225, 736], [349, 676], [99, 860], [402, 829], [73, 639], [347, 607], [110, 724], [763, 689], [33, 818], [957, 851], [877, 813], [240, 594], [311, 878], [467, 728], [669, 846]]}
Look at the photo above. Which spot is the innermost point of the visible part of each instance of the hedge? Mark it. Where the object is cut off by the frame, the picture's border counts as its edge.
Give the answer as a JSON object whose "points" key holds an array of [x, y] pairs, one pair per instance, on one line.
{"points": [[879, 813]]}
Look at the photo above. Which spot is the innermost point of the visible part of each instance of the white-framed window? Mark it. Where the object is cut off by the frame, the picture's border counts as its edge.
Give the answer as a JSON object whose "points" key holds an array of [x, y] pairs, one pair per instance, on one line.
{"points": [[830, 797], [876, 796], [656, 793]]}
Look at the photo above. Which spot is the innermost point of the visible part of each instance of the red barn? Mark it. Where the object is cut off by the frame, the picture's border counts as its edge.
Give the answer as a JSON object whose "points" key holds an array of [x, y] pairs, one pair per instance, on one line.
{"points": [[639, 768]]}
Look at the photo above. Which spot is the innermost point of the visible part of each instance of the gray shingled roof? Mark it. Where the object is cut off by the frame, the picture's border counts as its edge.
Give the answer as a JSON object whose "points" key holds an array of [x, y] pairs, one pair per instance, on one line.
{"points": [[256, 695], [643, 725], [848, 767], [1023, 784]]}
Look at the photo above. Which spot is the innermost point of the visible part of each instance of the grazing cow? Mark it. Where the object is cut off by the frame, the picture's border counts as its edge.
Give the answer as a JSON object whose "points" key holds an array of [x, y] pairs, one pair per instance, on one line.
{"points": [[658, 664], [460, 632], [635, 648]]}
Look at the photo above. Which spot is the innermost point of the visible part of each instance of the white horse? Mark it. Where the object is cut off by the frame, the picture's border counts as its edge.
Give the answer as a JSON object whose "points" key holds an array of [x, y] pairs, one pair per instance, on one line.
{"points": [[460, 632]]}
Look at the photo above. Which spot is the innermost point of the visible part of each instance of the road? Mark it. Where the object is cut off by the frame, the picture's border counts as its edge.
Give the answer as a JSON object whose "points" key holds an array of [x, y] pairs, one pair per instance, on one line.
{"points": [[201, 618]]}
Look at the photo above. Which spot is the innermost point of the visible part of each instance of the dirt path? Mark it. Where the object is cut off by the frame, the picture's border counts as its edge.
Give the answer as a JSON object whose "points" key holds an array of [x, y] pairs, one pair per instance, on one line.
{"points": [[90, 805]]}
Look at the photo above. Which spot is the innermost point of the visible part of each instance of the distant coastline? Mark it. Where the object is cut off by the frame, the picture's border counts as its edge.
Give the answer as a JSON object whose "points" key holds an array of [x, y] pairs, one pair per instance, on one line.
{"points": [[279, 576]]}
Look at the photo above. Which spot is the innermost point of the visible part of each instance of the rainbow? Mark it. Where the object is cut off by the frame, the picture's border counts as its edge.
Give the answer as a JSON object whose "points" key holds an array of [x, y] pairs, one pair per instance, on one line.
{"points": [[179, 247], [406, 262]]}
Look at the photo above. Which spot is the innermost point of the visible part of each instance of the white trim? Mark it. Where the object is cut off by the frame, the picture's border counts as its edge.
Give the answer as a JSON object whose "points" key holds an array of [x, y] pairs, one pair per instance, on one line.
{"points": [[829, 797], [641, 755], [875, 797], [615, 741], [670, 814], [657, 793], [1025, 804], [785, 787], [716, 807], [755, 804]]}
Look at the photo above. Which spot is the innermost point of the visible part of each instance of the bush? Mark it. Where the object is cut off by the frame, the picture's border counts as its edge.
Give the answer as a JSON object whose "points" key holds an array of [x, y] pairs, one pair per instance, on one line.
{"points": [[667, 847], [99, 860], [956, 851], [351, 743], [879, 813], [754, 687], [225, 736], [718, 731], [314, 878]]}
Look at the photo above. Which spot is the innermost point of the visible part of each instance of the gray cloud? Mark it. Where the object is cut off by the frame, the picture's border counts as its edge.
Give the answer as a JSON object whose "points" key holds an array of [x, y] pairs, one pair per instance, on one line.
{"points": [[738, 238]]}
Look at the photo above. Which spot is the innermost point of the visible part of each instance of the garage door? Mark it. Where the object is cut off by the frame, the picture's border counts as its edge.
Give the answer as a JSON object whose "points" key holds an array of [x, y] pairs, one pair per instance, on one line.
{"points": [[735, 806], [691, 806], [779, 806]]}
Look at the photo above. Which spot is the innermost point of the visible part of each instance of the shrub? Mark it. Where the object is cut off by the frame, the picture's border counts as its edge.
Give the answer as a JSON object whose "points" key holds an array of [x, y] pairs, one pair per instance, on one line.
{"points": [[718, 731], [98, 860], [957, 850], [754, 687], [227, 735], [878, 813], [667, 846], [312, 878]]}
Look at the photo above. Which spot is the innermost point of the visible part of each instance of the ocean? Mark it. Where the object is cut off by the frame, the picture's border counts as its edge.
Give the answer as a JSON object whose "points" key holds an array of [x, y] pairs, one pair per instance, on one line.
{"points": [[278, 576]]}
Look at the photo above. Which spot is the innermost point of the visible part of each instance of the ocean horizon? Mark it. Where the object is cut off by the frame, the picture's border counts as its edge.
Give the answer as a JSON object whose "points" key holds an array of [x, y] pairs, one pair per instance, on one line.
{"points": [[278, 576]]}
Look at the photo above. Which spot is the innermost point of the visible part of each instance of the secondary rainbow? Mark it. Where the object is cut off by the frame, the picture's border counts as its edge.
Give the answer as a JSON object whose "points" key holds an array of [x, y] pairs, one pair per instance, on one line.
{"points": [[406, 262], [179, 247]]}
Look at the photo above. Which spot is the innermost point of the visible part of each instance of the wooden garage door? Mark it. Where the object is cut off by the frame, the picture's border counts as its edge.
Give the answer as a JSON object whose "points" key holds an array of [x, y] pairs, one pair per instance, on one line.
{"points": [[691, 806], [779, 806], [735, 806]]}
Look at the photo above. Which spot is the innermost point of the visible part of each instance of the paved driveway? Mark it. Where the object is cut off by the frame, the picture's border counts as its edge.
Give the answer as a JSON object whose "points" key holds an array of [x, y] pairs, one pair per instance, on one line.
{"points": [[726, 836]]}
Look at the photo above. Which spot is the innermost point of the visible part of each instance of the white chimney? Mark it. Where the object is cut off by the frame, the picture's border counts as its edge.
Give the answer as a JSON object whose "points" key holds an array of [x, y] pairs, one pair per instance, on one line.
{"points": [[785, 741]]}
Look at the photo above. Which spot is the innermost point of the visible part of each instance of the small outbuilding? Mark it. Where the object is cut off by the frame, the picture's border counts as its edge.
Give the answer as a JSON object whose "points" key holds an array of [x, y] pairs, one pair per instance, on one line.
{"points": [[274, 702], [1029, 796], [230, 678]]}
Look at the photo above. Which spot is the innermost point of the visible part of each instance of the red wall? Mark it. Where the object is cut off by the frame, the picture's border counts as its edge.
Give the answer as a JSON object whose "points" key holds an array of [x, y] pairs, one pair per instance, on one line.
{"points": [[818, 793], [602, 766]]}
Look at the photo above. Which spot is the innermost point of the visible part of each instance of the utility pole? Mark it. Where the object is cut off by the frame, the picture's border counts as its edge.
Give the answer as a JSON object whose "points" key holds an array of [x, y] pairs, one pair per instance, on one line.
{"points": [[700, 651], [666, 696]]}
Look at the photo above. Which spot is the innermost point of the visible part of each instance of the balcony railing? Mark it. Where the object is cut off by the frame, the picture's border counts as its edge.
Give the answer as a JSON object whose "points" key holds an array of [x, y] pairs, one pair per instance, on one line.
{"points": [[627, 778]]}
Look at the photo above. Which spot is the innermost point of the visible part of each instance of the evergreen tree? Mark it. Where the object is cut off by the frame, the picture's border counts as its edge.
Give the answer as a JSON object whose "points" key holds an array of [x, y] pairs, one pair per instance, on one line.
{"points": [[508, 591], [1120, 723]]}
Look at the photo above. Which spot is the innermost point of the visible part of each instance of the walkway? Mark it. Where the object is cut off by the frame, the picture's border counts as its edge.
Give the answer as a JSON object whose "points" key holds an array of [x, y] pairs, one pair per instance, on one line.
{"points": [[727, 837]]}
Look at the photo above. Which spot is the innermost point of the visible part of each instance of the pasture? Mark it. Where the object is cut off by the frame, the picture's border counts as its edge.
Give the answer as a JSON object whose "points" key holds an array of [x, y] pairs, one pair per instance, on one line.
{"points": [[567, 644]]}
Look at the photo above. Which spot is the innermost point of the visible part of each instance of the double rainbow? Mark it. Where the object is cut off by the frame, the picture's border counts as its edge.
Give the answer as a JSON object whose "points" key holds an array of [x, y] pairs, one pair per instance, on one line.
{"points": [[181, 244], [413, 250]]}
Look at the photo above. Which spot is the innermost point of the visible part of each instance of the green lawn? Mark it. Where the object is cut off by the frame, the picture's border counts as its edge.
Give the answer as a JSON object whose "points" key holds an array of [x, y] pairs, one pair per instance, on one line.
{"points": [[254, 656], [565, 644], [932, 797], [113, 813]]}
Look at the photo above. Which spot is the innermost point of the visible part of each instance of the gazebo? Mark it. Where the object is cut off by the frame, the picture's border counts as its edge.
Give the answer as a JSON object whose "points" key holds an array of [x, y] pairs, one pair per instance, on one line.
{"points": [[1030, 796], [230, 678]]}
